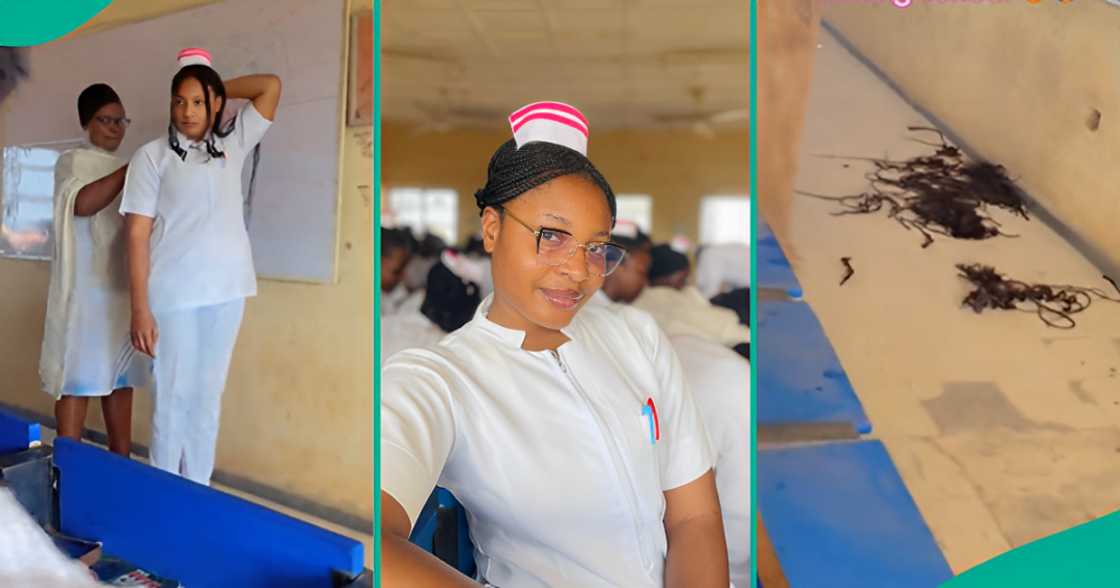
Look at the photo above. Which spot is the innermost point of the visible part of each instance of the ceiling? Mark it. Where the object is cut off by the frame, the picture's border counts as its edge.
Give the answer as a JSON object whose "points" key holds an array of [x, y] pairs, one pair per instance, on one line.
{"points": [[625, 63]]}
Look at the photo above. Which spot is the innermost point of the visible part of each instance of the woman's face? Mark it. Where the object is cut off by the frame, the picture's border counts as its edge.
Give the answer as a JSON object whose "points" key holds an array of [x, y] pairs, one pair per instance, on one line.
{"points": [[106, 128], [392, 268], [188, 109], [530, 295]]}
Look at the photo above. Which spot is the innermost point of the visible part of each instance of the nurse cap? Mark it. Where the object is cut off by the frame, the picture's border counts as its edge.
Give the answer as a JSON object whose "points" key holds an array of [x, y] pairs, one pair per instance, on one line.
{"points": [[551, 122], [194, 56]]}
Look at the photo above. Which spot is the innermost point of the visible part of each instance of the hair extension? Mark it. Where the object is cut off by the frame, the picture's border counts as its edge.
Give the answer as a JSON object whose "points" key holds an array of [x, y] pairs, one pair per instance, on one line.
{"points": [[209, 80], [513, 171], [92, 99], [1053, 303], [936, 194]]}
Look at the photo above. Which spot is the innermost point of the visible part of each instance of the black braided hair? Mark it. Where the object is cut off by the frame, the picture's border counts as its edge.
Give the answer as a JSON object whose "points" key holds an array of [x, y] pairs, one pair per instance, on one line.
{"points": [[513, 171], [449, 302], [92, 99], [209, 80]]}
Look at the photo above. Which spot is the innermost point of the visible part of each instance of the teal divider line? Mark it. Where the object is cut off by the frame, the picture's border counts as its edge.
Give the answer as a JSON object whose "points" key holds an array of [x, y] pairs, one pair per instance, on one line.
{"points": [[1082, 556], [752, 156], [35, 22], [376, 288]]}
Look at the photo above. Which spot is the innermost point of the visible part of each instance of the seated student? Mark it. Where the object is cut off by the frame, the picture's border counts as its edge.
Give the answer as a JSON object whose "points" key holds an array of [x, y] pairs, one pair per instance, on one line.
{"points": [[668, 267], [626, 283], [722, 267], [425, 255], [738, 300], [720, 381], [680, 309], [450, 300], [395, 255]]}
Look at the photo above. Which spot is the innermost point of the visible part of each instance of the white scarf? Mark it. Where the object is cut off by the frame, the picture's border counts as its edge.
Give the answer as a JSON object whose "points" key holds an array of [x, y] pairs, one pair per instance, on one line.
{"points": [[74, 170]]}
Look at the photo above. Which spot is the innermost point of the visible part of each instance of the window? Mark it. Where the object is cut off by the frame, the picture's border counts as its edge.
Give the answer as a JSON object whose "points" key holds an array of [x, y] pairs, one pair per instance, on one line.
{"points": [[27, 199], [725, 219], [425, 210], [636, 208]]}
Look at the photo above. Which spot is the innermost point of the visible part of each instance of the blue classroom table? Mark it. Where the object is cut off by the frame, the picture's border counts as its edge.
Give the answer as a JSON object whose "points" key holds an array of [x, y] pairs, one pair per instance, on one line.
{"points": [[839, 515], [800, 379]]}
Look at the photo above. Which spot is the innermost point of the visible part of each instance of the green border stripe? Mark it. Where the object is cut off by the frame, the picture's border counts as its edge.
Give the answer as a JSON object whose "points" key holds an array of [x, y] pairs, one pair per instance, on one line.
{"points": [[752, 155], [375, 287], [34, 22]]}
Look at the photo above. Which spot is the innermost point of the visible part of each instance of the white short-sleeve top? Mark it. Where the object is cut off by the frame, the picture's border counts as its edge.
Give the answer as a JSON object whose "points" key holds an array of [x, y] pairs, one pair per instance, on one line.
{"points": [[200, 253], [555, 455]]}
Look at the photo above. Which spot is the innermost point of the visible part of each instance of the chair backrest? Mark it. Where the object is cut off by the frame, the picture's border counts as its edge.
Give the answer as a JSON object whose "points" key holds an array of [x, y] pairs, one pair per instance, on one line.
{"points": [[197, 535], [442, 530], [16, 432]]}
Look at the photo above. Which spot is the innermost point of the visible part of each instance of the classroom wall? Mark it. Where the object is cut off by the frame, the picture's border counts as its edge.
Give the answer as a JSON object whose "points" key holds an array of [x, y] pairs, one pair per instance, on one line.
{"points": [[297, 412], [786, 39], [1018, 82], [675, 167]]}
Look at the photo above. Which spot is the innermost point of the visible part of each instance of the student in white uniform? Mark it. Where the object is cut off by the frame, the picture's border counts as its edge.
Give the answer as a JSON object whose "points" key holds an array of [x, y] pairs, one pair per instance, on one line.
{"points": [[565, 429], [396, 252], [626, 283], [450, 300], [85, 351], [719, 380], [722, 267], [190, 264]]}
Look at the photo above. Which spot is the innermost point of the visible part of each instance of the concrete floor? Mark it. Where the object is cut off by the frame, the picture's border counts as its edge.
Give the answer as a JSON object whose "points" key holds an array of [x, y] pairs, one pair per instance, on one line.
{"points": [[1004, 430], [366, 539]]}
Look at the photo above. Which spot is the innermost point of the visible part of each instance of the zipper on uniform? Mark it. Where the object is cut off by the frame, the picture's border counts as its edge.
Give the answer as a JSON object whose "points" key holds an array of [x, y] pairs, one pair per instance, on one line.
{"points": [[639, 523]]}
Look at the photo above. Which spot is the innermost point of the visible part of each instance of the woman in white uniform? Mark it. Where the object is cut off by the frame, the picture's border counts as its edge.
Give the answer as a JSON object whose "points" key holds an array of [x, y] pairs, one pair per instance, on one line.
{"points": [[85, 352], [565, 429], [190, 265]]}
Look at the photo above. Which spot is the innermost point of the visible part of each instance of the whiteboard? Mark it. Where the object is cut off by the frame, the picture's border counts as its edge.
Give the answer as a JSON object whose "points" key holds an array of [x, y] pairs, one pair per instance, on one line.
{"points": [[293, 224]]}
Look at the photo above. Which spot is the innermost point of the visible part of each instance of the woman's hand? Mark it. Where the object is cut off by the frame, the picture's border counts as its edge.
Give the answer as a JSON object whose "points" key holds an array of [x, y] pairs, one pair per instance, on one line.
{"points": [[144, 332]]}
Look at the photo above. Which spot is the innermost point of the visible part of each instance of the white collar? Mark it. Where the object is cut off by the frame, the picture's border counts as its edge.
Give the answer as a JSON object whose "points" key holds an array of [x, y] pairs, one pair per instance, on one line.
{"points": [[511, 337]]}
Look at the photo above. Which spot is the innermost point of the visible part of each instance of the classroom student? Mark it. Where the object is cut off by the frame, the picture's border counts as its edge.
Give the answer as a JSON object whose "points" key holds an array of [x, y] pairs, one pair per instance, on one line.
{"points": [[722, 267], [450, 299], [85, 351], [719, 379], [397, 247], [566, 429], [189, 260], [679, 308]]}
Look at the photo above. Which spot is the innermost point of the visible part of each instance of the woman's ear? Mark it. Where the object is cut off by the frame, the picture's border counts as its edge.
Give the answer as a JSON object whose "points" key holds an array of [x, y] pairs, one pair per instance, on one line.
{"points": [[491, 228]]}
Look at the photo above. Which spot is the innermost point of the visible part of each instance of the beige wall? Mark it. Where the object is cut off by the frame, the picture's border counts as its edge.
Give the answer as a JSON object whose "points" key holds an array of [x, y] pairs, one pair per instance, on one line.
{"points": [[786, 39], [297, 413], [1017, 82], [675, 167]]}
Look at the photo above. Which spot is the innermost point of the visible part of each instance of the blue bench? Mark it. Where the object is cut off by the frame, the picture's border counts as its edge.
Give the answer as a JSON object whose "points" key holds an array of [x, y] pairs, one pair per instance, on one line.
{"points": [[441, 529], [773, 269], [800, 379], [839, 515], [197, 535], [17, 433]]}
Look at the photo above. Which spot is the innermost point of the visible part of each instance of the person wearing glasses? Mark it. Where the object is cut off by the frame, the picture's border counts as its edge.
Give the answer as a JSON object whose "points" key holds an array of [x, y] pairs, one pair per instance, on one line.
{"points": [[189, 259], [565, 429], [85, 353]]}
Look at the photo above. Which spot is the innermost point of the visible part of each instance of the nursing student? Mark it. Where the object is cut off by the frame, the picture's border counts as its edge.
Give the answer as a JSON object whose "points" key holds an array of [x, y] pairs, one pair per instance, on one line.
{"points": [[565, 429], [85, 351], [189, 261]]}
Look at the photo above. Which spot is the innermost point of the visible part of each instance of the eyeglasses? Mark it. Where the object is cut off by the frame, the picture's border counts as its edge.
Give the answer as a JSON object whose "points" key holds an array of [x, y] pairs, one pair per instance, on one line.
{"points": [[555, 247], [121, 122]]}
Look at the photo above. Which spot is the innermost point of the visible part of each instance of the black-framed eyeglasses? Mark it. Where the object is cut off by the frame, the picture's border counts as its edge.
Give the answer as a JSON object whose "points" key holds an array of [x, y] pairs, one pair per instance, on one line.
{"points": [[555, 247], [121, 122]]}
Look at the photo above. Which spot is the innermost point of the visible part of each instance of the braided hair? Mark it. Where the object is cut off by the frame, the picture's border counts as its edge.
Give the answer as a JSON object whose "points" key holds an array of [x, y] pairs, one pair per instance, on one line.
{"points": [[513, 171], [209, 80]]}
